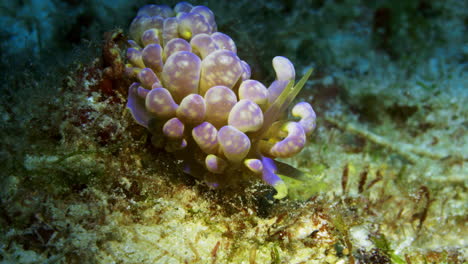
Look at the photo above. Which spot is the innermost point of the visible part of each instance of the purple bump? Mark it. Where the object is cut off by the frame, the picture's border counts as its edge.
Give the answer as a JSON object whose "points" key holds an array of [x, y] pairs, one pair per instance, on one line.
{"points": [[215, 164], [284, 74], [206, 137], [305, 111], [135, 27], [133, 44], [224, 41], [235, 145], [269, 170], [150, 36], [135, 57], [152, 57], [270, 177], [246, 71], [246, 116], [148, 78], [292, 144], [181, 74], [284, 68], [254, 165], [159, 102], [183, 7], [174, 128], [191, 24], [136, 105], [175, 45], [156, 22], [203, 45], [219, 102], [207, 14], [192, 109], [142, 23], [170, 30], [254, 91], [221, 67]]}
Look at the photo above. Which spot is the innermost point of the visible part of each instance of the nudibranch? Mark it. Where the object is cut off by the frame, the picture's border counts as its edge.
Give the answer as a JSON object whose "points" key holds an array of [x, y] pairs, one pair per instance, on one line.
{"points": [[195, 96]]}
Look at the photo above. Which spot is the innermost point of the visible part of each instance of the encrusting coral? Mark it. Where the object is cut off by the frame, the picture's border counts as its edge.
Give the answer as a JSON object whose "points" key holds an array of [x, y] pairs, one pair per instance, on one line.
{"points": [[196, 97]]}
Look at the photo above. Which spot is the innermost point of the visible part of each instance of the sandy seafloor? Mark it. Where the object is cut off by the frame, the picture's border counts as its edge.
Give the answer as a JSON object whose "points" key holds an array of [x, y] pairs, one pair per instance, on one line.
{"points": [[80, 181]]}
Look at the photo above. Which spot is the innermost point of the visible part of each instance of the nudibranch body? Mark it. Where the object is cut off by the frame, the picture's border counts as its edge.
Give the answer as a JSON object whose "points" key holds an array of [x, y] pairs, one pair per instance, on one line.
{"points": [[195, 96]]}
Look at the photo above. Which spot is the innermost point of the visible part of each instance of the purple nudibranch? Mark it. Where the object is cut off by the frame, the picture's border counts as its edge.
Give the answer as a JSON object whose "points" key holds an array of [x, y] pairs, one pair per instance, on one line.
{"points": [[192, 89]]}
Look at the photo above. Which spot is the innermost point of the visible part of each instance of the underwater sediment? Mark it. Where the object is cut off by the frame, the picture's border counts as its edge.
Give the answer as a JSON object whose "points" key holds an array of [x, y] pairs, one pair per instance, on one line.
{"points": [[382, 179]]}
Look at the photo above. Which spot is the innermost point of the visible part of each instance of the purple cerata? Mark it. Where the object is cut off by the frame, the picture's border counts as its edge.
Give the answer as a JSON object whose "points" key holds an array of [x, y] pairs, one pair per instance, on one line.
{"points": [[190, 81]]}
